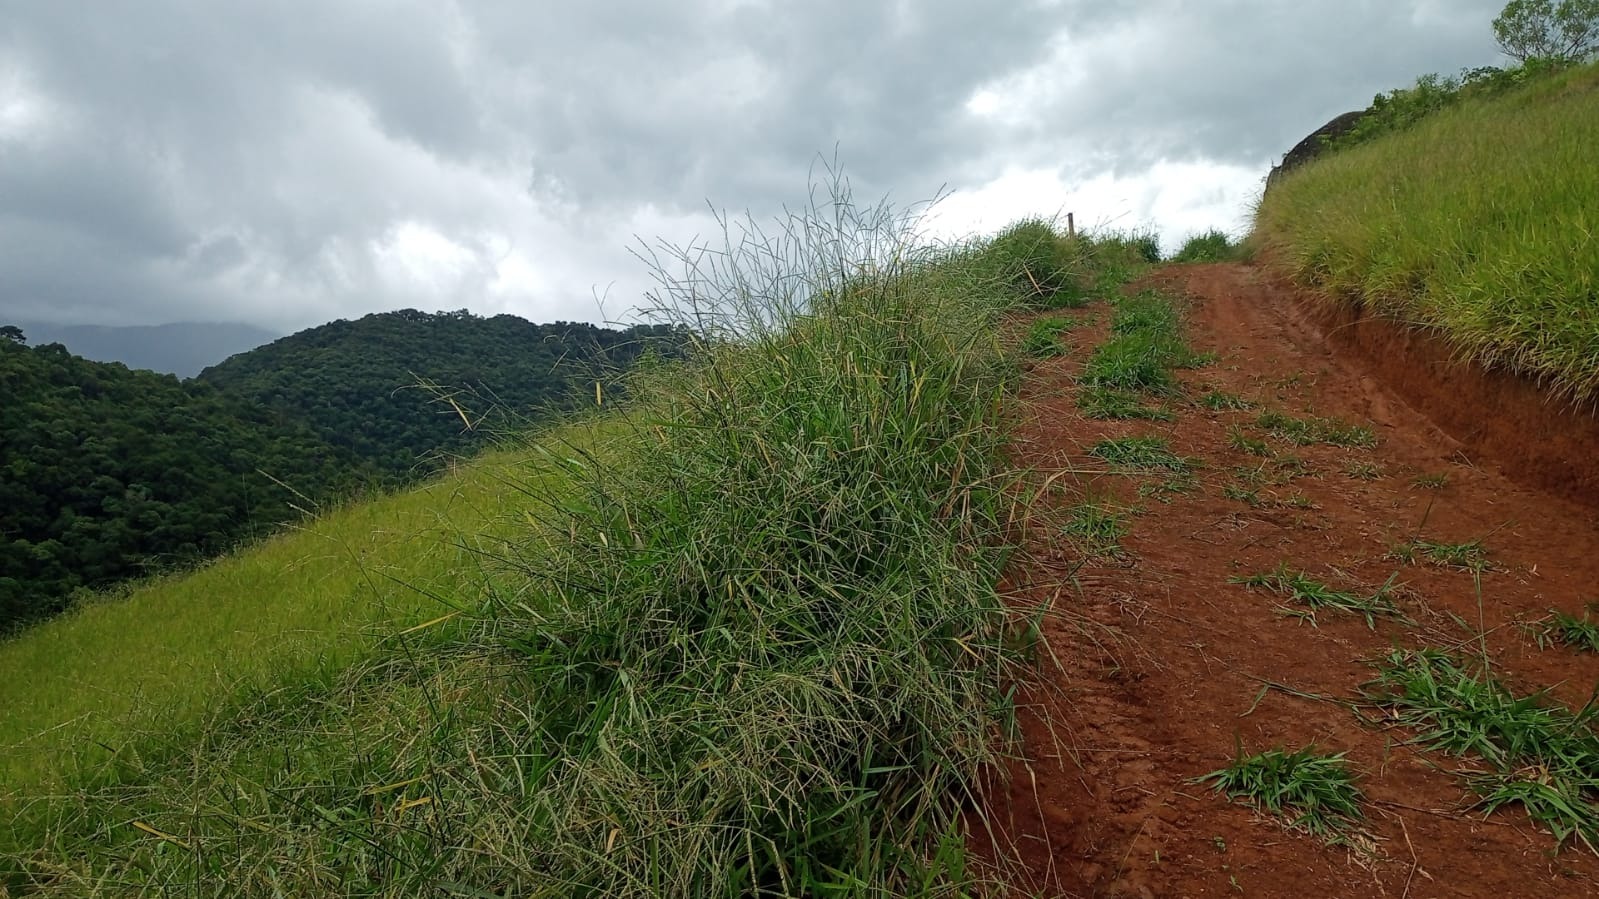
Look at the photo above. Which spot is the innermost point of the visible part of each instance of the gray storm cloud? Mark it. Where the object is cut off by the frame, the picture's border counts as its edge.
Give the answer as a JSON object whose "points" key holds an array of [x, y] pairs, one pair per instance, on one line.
{"points": [[288, 163]]}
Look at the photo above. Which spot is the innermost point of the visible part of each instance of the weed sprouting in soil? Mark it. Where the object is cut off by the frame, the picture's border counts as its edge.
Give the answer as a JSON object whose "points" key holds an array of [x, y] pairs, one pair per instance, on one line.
{"points": [[1043, 337], [1222, 401], [1360, 470], [1314, 595], [1145, 346], [1139, 453], [1096, 528], [1565, 629], [1110, 404], [1471, 555], [1308, 790], [1434, 481], [1312, 430], [1536, 753], [1254, 446]]}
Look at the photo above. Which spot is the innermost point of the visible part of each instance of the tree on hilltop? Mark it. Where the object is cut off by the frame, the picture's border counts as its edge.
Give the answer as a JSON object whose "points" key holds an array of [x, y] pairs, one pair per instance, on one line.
{"points": [[1564, 31]]}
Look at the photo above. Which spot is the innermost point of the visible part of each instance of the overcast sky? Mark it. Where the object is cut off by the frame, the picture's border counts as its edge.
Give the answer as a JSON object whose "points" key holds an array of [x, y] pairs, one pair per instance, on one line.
{"points": [[286, 163]]}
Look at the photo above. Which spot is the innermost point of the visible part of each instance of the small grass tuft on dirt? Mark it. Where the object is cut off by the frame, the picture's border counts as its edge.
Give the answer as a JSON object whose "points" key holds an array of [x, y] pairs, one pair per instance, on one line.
{"points": [[1526, 750], [1096, 528], [1363, 471], [1566, 629], [1140, 453], [1435, 481], [1254, 446], [1300, 588], [1468, 556], [1146, 345], [1043, 337], [1222, 401], [1308, 790], [1111, 404], [1312, 430]]}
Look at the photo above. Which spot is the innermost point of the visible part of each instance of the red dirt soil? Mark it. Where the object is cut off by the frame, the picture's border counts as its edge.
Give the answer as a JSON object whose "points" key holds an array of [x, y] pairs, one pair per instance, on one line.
{"points": [[1162, 663]]}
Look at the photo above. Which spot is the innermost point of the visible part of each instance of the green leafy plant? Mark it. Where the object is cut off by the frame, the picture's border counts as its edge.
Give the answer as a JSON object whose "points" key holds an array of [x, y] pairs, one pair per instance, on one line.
{"points": [[1307, 431], [1566, 629], [1468, 556], [1314, 595], [1108, 403], [1434, 481], [1222, 401], [1043, 337], [1238, 440], [1537, 754], [1211, 246], [1310, 791], [1096, 528], [1140, 453]]}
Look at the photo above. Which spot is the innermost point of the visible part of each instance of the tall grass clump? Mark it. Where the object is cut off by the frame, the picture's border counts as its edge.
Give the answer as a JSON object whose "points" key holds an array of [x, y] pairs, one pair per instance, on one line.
{"points": [[1477, 221], [1045, 265], [760, 652], [1212, 246]]}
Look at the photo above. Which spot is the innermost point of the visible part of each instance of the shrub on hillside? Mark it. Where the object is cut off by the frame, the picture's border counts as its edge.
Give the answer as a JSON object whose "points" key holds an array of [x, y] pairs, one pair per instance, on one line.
{"points": [[1212, 246]]}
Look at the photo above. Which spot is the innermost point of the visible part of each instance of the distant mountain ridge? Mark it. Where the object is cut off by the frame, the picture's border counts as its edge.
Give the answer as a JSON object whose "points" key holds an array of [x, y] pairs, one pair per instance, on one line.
{"points": [[110, 471], [179, 348], [361, 384]]}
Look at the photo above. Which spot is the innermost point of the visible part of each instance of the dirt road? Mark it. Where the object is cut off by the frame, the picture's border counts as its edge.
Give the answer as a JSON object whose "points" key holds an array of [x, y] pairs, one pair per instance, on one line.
{"points": [[1165, 667]]}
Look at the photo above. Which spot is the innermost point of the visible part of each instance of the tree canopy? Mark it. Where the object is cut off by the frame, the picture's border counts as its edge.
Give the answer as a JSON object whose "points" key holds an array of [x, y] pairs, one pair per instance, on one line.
{"points": [[1558, 30], [108, 472]]}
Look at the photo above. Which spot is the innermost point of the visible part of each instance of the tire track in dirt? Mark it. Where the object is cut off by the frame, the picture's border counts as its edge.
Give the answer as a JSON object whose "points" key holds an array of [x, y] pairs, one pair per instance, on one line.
{"points": [[1162, 664]]}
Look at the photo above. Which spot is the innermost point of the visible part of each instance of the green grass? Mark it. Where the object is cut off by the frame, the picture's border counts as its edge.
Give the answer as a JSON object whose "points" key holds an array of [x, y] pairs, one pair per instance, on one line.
{"points": [[1308, 790], [1363, 471], [1254, 446], [1435, 481], [1506, 270], [1563, 628], [1139, 453], [1222, 401], [1525, 750], [78, 690], [1211, 246], [1471, 555], [1096, 528], [1042, 339], [1312, 430], [1145, 346], [1314, 595], [756, 649], [1110, 404]]}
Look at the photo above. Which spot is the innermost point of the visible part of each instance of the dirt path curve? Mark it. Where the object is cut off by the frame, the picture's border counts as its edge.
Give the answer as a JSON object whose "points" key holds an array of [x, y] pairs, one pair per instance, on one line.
{"points": [[1163, 662]]}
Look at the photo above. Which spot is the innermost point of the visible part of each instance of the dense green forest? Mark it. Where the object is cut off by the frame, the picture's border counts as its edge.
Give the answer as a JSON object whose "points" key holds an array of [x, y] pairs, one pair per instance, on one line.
{"points": [[363, 384], [108, 473]]}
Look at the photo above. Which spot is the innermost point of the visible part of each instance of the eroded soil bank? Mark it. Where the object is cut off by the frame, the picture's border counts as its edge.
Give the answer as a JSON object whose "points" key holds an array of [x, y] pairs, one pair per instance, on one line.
{"points": [[1165, 667]]}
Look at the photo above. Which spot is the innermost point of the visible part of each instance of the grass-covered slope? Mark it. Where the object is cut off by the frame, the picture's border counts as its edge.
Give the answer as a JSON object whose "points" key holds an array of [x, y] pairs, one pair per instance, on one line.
{"points": [[102, 681], [753, 648], [1478, 221]]}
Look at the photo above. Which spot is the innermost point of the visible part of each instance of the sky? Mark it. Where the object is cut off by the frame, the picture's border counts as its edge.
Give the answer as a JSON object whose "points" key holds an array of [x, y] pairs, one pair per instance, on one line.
{"points": [[284, 163]]}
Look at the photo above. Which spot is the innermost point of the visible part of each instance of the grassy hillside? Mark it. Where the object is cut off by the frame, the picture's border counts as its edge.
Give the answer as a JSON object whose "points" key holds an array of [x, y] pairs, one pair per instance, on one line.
{"points": [[357, 384], [754, 646], [107, 473], [76, 691], [1478, 221]]}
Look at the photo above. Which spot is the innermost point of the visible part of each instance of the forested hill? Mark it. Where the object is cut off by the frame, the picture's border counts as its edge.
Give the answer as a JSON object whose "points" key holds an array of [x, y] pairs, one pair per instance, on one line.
{"points": [[108, 472], [358, 383]]}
